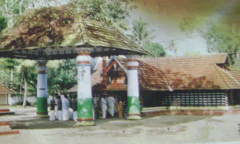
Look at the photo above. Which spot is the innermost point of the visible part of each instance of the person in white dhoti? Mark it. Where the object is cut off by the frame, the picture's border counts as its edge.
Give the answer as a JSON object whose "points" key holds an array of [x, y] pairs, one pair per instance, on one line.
{"points": [[52, 109], [70, 108], [59, 108], [104, 107], [65, 110], [110, 101], [74, 108]]}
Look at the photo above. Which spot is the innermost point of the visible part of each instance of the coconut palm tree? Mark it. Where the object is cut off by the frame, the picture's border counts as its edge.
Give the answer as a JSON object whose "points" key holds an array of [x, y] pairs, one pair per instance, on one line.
{"points": [[25, 67], [140, 33]]}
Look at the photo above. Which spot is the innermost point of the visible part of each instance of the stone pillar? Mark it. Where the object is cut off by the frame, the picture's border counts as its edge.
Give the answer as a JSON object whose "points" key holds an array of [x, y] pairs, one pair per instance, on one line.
{"points": [[133, 88], [42, 104], [84, 95]]}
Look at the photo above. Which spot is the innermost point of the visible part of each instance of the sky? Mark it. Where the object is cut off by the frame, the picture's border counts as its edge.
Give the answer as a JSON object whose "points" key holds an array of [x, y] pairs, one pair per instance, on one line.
{"points": [[167, 16]]}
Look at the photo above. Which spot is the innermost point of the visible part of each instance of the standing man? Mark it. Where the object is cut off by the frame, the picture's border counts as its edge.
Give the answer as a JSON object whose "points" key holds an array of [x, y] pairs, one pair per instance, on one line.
{"points": [[120, 109], [65, 105], [74, 108], [52, 109], [104, 107], [110, 101], [59, 107]]}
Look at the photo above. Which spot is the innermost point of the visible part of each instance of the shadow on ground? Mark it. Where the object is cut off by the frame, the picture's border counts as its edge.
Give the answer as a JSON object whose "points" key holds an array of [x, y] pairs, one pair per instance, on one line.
{"points": [[40, 124], [112, 123]]}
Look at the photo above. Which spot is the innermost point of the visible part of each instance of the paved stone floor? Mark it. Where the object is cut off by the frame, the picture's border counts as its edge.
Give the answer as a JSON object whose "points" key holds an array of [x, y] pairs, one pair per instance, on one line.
{"points": [[155, 130]]}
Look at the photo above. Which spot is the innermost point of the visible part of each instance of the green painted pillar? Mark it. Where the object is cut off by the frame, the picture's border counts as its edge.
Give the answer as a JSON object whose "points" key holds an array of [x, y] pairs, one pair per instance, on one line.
{"points": [[42, 104], [84, 94], [133, 89]]}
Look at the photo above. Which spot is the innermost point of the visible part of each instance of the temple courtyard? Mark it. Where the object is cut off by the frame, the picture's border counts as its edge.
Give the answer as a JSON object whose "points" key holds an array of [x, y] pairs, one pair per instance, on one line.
{"points": [[151, 130]]}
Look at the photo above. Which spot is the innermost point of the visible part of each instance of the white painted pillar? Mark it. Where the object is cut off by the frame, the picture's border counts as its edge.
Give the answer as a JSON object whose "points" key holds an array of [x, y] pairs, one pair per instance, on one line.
{"points": [[133, 88], [84, 94], [42, 94]]}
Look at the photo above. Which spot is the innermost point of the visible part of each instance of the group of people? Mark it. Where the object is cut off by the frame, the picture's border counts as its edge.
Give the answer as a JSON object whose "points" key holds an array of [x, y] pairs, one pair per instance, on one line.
{"points": [[108, 106], [64, 109], [67, 109]]}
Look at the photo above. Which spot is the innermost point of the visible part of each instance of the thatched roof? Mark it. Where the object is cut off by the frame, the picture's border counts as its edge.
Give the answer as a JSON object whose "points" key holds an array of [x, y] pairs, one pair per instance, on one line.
{"points": [[56, 32]]}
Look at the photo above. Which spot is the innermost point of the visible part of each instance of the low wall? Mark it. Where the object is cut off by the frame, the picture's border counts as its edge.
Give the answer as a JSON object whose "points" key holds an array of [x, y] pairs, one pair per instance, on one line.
{"points": [[151, 112], [16, 99]]}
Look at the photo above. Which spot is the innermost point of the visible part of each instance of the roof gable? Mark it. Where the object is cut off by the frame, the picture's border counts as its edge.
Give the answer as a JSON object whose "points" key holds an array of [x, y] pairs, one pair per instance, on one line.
{"points": [[4, 90], [115, 60]]}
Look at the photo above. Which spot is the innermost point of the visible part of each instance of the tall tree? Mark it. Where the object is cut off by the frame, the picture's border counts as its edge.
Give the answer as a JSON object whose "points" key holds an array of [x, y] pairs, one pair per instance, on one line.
{"points": [[3, 23], [223, 38], [11, 9], [140, 33], [112, 12], [63, 77], [155, 48], [26, 67]]}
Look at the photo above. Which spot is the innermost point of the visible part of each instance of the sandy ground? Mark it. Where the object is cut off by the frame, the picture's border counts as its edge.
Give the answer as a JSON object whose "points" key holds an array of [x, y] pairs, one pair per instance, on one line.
{"points": [[155, 130]]}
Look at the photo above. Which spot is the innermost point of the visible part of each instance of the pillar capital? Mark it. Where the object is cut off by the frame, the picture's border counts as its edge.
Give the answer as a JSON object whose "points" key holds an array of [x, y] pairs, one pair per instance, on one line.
{"points": [[132, 57], [132, 63], [83, 51], [42, 62]]}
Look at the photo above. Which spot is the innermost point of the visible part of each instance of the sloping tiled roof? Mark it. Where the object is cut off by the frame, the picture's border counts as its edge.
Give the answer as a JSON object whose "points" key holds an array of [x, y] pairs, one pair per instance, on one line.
{"points": [[184, 73], [4, 90], [234, 78], [147, 79], [196, 72]]}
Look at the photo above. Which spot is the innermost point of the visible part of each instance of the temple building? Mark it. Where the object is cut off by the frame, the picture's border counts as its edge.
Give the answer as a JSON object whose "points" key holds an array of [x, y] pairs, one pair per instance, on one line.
{"points": [[174, 83]]}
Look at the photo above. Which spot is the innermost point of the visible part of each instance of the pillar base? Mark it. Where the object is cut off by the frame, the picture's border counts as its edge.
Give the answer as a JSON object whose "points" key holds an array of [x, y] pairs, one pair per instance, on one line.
{"points": [[85, 123], [42, 111], [134, 117], [42, 116]]}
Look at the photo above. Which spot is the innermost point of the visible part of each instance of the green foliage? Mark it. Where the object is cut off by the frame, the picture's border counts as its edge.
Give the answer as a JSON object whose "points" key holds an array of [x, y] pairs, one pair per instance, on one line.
{"points": [[117, 10], [3, 23], [140, 33], [106, 11], [155, 48], [223, 39], [62, 78]]}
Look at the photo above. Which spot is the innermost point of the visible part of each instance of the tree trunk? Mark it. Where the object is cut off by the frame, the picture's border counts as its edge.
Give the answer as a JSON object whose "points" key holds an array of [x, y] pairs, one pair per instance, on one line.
{"points": [[20, 7], [25, 89], [11, 82]]}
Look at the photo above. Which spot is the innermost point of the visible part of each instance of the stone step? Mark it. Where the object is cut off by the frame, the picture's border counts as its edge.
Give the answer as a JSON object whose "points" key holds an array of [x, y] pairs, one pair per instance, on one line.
{"points": [[152, 109], [5, 128], [9, 132], [4, 110], [4, 123], [7, 113]]}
